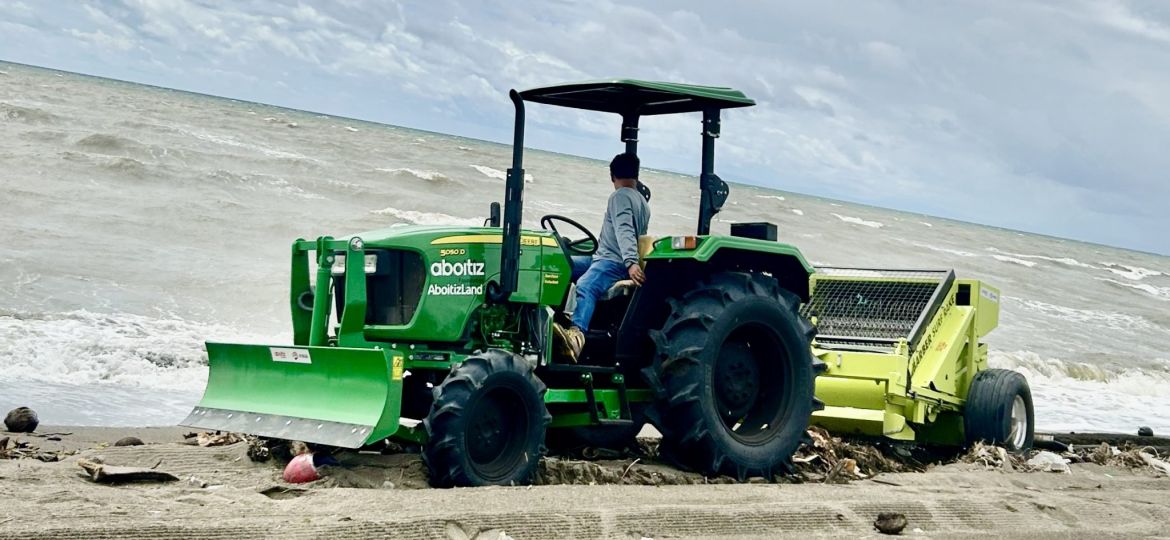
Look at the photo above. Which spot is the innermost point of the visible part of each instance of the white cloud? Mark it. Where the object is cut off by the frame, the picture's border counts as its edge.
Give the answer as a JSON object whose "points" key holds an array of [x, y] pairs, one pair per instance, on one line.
{"points": [[101, 39], [885, 55], [1117, 15]]}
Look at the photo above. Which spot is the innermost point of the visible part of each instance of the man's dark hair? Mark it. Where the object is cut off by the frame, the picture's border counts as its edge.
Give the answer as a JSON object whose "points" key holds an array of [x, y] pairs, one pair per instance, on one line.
{"points": [[624, 166]]}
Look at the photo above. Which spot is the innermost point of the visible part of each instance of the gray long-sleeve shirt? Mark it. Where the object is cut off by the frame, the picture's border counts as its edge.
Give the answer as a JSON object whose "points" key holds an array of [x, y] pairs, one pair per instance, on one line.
{"points": [[627, 217]]}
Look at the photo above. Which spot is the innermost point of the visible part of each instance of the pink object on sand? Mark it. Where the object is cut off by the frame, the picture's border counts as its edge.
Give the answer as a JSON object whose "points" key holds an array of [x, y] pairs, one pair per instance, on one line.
{"points": [[300, 470]]}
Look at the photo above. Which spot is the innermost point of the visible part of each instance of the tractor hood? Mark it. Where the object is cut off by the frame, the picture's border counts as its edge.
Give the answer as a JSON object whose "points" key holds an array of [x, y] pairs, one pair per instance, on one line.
{"points": [[422, 282], [419, 236]]}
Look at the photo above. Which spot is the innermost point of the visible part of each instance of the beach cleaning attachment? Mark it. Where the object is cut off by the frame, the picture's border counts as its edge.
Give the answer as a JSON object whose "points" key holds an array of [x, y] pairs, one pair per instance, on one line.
{"points": [[906, 359]]}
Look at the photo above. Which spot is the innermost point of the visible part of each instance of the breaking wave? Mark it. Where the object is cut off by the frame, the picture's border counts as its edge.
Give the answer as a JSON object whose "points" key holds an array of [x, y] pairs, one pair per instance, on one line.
{"points": [[1068, 261], [27, 115], [1161, 293], [1096, 318], [1070, 395], [233, 143], [797, 211], [859, 221], [1126, 271], [427, 218], [775, 197], [497, 174], [256, 182], [82, 347], [105, 143], [429, 176], [125, 165], [940, 249], [1014, 260]]}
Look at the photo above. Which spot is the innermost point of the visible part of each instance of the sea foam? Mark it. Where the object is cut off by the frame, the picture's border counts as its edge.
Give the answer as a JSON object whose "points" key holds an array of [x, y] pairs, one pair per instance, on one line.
{"points": [[1014, 260], [497, 174], [1126, 271], [859, 221], [83, 347], [1069, 395], [1161, 293], [430, 176]]}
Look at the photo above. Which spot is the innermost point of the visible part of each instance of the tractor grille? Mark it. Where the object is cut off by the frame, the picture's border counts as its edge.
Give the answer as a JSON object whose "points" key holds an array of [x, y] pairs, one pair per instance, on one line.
{"points": [[393, 290], [871, 309]]}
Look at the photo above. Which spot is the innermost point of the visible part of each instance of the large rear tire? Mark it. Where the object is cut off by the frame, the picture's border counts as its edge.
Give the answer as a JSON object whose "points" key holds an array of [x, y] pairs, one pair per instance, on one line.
{"points": [[733, 377], [486, 425], [999, 410]]}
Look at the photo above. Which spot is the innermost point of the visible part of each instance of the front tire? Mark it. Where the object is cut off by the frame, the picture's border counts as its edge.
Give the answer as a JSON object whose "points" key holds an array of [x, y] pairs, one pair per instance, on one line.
{"points": [[487, 423], [733, 377], [999, 410]]}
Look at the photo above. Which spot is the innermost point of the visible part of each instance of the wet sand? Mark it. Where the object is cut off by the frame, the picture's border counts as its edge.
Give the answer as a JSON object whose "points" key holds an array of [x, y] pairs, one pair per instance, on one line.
{"points": [[223, 494]]}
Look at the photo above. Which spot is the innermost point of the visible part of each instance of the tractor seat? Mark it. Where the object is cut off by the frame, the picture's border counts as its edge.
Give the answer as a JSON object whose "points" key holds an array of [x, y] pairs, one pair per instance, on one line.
{"points": [[626, 287]]}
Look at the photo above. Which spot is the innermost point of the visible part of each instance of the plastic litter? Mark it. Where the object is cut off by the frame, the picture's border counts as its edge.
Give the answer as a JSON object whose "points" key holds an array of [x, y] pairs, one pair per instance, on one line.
{"points": [[300, 470], [1047, 461]]}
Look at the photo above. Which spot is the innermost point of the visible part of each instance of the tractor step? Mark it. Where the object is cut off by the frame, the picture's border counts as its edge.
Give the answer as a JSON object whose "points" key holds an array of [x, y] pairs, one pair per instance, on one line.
{"points": [[580, 368]]}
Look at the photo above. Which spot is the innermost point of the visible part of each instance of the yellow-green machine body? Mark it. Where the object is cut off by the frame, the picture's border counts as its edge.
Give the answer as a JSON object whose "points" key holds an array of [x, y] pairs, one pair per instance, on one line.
{"points": [[901, 347]]}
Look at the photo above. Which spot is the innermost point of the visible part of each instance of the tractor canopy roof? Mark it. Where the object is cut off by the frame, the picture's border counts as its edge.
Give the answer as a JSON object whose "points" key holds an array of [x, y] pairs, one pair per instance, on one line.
{"points": [[633, 97]]}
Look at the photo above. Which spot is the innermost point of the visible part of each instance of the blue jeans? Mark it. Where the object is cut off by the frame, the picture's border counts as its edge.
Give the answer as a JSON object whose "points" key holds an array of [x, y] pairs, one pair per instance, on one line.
{"points": [[596, 277]]}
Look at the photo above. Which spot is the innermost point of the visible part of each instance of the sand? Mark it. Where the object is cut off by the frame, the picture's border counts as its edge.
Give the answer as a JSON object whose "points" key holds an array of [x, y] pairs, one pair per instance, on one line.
{"points": [[223, 494]]}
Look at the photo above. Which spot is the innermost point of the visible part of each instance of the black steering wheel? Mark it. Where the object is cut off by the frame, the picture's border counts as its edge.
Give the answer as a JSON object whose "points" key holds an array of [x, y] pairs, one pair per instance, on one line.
{"points": [[584, 246]]}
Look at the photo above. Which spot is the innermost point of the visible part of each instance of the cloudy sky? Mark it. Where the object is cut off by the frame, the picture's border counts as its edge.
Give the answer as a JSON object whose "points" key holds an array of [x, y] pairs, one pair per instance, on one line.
{"points": [[1050, 117]]}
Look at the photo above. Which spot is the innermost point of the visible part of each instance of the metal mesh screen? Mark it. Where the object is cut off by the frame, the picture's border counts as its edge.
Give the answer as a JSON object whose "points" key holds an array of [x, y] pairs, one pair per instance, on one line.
{"points": [[867, 308]]}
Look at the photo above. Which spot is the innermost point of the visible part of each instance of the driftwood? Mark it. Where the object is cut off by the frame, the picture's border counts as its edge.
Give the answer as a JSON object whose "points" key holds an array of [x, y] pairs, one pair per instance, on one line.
{"points": [[110, 474]]}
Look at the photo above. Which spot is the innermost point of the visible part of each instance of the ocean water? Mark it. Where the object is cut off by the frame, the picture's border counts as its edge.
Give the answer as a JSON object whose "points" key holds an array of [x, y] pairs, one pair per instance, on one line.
{"points": [[138, 222]]}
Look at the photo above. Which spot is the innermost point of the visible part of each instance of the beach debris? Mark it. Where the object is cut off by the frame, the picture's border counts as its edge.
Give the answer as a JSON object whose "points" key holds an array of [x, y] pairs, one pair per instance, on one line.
{"points": [[1046, 441], [300, 470], [1102, 453], [1157, 464], [991, 457], [832, 459], [21, 420], [844, 471], [890, 523], [22, 450], [258, 450], [1128, 456], [282, 493], [1050, 462], [195, 481], [566, 471], [128, 441], [214, 439], [296, 448], [1145, 431], [110, 474]]}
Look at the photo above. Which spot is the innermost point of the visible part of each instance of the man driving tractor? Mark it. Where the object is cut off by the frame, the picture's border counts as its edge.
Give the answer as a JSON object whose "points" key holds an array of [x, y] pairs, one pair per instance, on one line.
{"points": [[627, 216]]}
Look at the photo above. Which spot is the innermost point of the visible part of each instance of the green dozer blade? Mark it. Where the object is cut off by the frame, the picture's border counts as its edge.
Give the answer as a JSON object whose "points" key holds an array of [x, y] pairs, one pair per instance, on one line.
{"points": [[327, 395]]}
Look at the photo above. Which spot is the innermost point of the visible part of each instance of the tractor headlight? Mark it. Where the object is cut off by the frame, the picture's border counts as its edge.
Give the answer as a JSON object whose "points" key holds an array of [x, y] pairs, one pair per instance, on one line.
{"points": [[338, 267], [683, 242]]}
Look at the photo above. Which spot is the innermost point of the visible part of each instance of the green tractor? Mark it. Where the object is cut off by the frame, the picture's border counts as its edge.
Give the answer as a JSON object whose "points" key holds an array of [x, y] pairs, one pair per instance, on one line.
{"points": [[442, 337]]}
